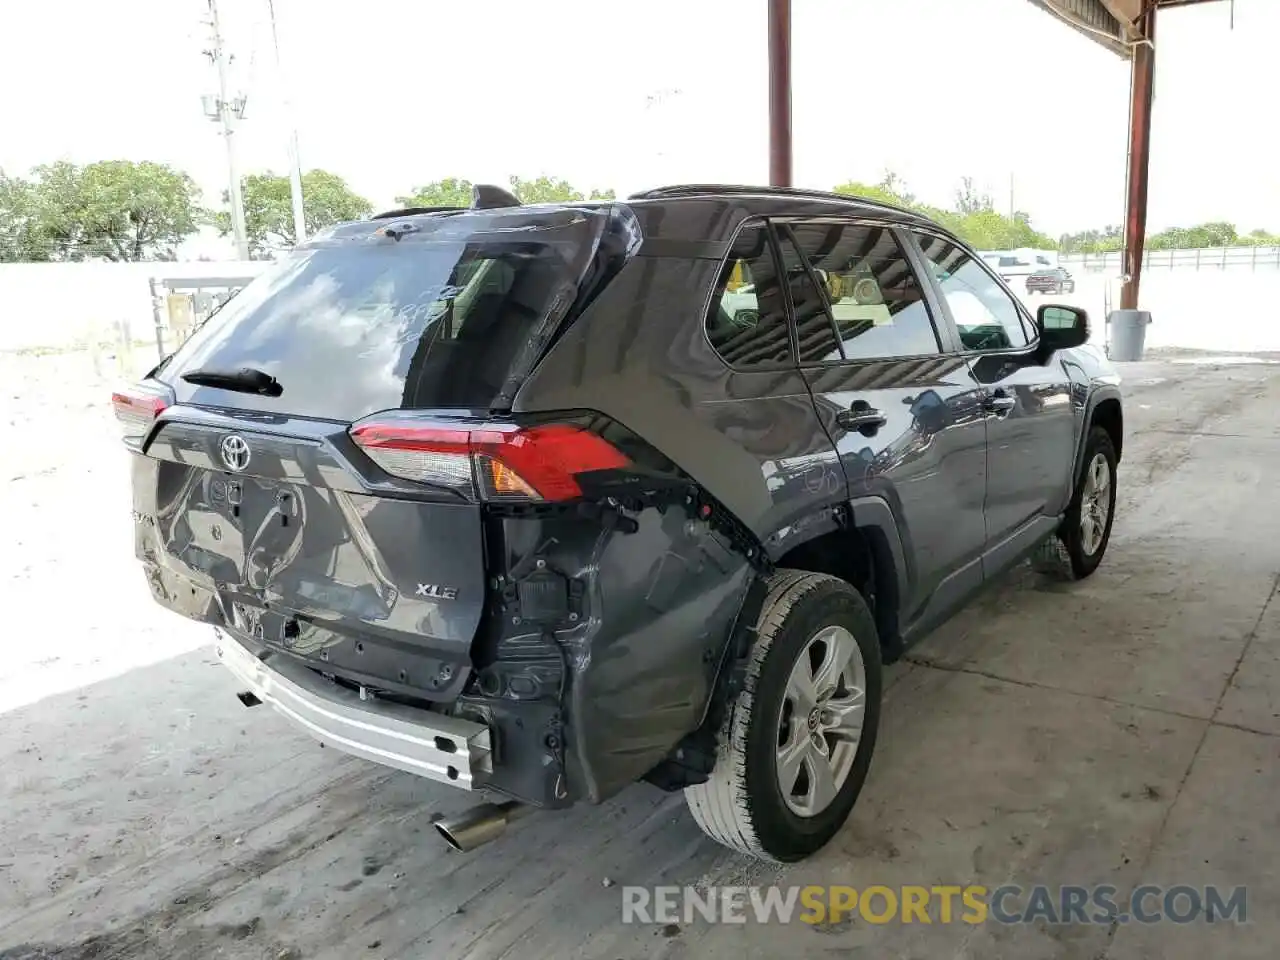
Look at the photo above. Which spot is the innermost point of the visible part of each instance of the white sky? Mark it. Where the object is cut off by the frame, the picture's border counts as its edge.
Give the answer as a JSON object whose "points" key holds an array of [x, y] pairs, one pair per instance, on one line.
{"points": [[394, 93]]}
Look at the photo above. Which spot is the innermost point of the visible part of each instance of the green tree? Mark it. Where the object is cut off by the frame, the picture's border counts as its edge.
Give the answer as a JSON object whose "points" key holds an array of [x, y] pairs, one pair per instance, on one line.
{"points": [[969, 200], [115, 209], [889, 190], [1214, 234], [974, 218], [454, 192], [268, 208], [20, 229], [1091, 241], [450, 192], [543, 190], [1260, 238]]}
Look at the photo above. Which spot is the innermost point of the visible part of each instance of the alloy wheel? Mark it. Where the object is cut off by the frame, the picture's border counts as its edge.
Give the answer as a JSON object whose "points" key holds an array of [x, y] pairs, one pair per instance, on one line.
{"points": [[1095, 504], [820, 721]]}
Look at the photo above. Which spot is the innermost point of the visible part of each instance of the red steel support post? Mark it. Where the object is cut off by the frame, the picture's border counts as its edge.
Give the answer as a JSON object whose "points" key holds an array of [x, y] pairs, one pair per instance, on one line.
{"points": [[780, 93], [1141, 90]]}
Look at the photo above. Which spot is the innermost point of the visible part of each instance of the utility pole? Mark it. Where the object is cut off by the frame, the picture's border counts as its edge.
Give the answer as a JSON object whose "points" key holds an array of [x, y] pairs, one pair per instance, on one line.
{"points": [[224, 111], [780, 93], [295, 168]]}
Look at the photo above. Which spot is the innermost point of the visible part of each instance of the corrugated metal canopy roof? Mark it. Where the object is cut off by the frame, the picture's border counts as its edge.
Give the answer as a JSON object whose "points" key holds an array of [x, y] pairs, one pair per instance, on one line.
{"points": [[1116, 24]]}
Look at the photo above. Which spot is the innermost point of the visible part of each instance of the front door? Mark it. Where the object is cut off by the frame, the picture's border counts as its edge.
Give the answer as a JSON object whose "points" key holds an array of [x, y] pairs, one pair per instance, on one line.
{"points": [[1026, 399], [899, 402]]}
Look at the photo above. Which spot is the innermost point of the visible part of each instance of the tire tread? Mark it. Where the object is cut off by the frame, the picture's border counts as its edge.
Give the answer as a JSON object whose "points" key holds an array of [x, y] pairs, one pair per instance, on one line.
{"points": [[720, 805]]}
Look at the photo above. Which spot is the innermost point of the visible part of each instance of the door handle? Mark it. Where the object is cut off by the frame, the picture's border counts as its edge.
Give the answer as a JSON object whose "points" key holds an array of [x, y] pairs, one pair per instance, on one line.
{"points": [[999, 403], [862, 417]]}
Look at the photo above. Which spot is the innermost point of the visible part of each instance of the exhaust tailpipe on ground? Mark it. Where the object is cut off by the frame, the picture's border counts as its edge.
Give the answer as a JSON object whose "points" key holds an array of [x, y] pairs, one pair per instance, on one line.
{"points": [[477, 826]]}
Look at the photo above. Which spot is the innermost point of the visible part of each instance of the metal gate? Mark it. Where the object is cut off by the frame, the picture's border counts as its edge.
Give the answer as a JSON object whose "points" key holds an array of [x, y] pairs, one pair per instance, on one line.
{"points": [[180, 304]]}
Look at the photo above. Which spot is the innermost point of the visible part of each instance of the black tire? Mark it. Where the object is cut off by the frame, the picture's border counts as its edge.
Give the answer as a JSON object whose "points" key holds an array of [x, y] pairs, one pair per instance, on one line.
{"points": [[742, 805], [1066, 554]]}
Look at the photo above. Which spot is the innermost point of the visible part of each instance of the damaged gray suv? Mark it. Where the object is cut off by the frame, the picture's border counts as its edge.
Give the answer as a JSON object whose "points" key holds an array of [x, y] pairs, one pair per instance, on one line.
{"points": [[541, 501]]}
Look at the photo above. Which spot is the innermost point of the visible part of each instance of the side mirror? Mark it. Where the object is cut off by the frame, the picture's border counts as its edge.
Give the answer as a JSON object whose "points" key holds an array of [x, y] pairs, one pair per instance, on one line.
{"points": [[1062, 327]]}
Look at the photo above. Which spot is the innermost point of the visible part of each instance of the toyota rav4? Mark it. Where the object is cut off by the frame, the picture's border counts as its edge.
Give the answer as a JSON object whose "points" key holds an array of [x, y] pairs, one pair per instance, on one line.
{"points": [[544, 500]]}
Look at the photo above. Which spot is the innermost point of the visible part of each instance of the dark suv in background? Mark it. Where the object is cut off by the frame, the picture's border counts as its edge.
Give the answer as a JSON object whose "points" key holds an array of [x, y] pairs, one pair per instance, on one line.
{"points": [[1051, 280], [546, 500]]}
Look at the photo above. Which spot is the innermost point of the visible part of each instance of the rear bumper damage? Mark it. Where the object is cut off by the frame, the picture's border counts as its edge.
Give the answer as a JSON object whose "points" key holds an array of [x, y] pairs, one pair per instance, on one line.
{"points": [[448, 749], [600, 647]]}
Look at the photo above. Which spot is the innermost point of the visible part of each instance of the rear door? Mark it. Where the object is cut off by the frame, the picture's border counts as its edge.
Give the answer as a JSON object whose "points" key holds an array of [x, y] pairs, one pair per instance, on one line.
{"points": [[1026, 399], [284, 514], [900, 404]]}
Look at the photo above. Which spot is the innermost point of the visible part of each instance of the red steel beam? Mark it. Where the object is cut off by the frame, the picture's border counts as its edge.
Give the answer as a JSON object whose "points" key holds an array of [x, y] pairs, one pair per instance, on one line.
{"points": [[780, 93], [1141, 92]]}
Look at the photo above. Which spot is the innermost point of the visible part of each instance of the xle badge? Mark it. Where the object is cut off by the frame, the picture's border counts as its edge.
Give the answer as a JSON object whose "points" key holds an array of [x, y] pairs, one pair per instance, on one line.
{"points": [[437, 592]]}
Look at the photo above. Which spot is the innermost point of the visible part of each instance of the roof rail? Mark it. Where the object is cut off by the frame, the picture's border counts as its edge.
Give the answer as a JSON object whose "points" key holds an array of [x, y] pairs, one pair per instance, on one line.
{"points": [[722, 189]]}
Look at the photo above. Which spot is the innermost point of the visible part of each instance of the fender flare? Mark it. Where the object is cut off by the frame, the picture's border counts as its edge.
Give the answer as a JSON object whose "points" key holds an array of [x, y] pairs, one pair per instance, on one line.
{"points": [[874, 513], [1100, 392], [893, 564], [895, 569]]}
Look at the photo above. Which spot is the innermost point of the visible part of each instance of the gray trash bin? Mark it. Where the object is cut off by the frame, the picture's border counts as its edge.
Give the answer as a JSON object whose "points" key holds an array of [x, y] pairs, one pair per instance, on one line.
{"points": [[1128, 330]]}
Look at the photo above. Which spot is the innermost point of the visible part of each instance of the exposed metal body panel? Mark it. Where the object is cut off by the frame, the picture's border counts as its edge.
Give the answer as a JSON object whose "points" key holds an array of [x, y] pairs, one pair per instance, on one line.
{"points": [[435, 746]]}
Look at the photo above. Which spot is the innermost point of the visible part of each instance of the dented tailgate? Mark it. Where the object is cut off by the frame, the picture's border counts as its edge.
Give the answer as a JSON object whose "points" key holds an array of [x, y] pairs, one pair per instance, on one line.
{"points": [[299, 550]]}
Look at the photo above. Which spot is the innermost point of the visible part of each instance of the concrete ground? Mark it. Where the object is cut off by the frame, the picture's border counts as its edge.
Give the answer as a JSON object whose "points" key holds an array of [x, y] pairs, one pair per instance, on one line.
{"points": [[1124, 730]]}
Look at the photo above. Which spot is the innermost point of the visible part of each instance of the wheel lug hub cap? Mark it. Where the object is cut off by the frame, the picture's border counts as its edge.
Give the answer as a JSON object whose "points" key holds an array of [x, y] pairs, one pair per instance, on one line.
{"points": [[815, 718]]}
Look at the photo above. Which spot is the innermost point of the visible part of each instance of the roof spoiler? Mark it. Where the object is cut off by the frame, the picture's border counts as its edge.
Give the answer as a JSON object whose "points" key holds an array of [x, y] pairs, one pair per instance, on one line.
{"points": [[485, 196]]}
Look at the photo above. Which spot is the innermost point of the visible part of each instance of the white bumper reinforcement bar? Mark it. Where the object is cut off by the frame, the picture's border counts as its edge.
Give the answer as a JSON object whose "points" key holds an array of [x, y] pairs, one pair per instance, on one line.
{"points": [[431, 745]]}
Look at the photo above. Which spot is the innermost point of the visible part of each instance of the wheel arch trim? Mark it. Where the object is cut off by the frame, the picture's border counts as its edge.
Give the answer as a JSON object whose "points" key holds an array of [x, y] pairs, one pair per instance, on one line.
{"points": [[1097, 396], [873, 515]]}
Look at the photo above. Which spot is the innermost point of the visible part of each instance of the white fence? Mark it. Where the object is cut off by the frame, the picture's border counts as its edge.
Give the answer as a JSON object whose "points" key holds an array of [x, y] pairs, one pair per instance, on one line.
{"points": [[1208, 258], [61, 305], [1231, 311]]}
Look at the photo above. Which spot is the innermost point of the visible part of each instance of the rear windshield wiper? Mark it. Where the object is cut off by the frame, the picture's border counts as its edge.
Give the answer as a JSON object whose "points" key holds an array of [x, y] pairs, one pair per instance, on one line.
{"points": [[244, 380]]}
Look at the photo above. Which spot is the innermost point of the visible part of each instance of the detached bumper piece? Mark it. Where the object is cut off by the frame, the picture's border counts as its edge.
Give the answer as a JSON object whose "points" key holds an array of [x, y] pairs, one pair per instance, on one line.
{"points": [[453, 751]]}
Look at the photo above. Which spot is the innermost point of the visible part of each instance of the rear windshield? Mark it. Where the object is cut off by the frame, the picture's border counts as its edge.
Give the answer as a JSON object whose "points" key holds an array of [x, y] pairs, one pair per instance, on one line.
{"points": [[367, 323]]}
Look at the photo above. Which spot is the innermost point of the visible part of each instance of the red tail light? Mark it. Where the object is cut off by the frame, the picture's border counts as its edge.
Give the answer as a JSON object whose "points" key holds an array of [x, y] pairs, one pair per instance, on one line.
{"points": [[501, 462], [137, 407]]}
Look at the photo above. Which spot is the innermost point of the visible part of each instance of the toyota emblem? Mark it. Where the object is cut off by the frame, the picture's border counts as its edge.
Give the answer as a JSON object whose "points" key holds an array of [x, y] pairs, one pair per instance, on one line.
{"points": [[235, 453]]}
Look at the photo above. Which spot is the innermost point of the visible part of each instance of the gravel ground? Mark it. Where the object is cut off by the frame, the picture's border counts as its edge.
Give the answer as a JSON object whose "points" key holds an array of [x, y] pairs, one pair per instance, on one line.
{"points": [[1123, 730]]}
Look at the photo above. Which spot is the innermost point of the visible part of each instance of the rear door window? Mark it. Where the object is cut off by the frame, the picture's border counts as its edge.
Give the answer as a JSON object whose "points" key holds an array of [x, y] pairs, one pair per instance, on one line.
{"points": [[865, 289], [353, 326]]}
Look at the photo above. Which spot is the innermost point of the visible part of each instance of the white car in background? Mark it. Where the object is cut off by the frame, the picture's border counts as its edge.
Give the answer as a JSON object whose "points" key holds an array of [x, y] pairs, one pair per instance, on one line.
{"points": [[1020, 263]]}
